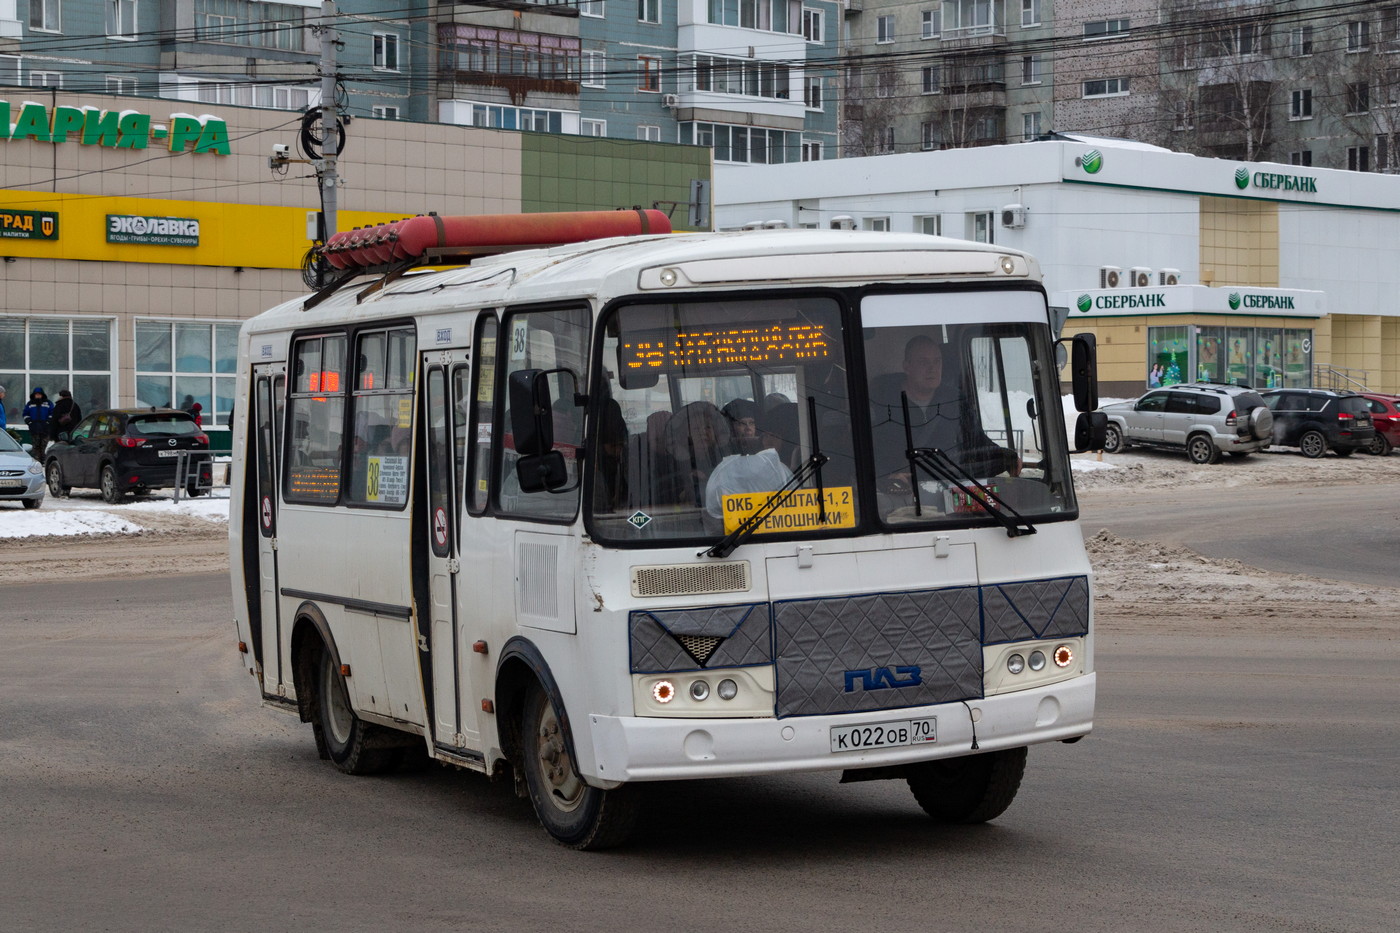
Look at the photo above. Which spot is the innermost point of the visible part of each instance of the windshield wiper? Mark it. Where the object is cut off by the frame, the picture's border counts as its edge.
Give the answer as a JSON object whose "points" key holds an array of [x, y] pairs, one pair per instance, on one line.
{"points": [[944, 468], [810, 467]]}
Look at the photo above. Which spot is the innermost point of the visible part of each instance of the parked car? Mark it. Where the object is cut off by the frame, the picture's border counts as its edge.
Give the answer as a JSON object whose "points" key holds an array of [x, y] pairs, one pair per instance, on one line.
{"points": [[1318, 420], [1203, 419], [21, 476], [123, 450], [1385, 418]]}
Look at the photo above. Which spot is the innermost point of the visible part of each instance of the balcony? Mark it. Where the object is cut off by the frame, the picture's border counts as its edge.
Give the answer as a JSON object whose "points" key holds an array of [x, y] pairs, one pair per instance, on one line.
{"points": [[555, 8]]}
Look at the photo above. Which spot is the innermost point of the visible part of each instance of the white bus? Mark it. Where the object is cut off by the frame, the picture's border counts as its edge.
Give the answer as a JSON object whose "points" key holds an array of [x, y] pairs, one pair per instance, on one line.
{"points": [[668, 507]]}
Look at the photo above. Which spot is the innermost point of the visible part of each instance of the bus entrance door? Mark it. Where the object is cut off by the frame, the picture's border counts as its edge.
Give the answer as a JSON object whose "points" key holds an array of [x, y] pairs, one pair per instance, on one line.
{"points": [[441, 649], [269, 386]]}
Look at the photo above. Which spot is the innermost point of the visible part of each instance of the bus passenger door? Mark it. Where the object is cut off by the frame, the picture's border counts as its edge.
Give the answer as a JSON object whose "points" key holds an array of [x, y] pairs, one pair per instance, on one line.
{"points": [[268, 387], [444, 666]]}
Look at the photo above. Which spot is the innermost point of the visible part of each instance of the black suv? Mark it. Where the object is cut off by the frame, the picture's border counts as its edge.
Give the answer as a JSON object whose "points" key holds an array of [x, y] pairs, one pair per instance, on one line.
{"points": [[1317, 420], [129, 449]]}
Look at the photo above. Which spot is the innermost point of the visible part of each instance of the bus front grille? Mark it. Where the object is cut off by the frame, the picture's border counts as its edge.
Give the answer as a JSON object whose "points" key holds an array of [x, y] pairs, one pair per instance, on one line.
{"points": [[690, 579]]}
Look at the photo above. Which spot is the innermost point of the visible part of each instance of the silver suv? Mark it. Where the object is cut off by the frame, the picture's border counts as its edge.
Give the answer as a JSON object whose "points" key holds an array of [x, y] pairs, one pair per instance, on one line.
{"points": [[1204, 419]]}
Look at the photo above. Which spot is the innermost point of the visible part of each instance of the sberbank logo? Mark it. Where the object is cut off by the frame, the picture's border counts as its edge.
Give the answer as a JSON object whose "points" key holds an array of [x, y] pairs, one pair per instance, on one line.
{"points": [[1275, 180], [1085, 303], [1234, 301], [1091, 161], [1121, 301]]}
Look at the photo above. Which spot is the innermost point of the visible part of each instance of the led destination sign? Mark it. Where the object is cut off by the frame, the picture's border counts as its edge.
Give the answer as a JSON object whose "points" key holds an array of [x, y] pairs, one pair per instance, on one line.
{"points": [[766, 344]]}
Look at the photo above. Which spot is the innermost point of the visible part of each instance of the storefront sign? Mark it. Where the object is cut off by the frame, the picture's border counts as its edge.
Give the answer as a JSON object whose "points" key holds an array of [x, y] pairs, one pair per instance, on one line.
{"points": [[155, 231], [1192, 299], [28, 225], [1275, 180], [113, 129]]}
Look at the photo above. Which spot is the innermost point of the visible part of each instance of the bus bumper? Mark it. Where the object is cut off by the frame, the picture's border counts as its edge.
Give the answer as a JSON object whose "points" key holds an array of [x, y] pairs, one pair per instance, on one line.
{"points": [[656, 749]]}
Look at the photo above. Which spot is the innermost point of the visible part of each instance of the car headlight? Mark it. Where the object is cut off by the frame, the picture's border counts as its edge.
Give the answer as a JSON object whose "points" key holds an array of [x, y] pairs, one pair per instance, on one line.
{"points": [[37, 468]]}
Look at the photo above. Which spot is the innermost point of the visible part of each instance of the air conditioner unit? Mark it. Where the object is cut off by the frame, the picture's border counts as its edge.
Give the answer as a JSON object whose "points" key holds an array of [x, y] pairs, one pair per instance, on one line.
{"points": [[1139, 277], [1169, 277], [671, 100], [1110, 277], [1014, 216], [843, 222]]}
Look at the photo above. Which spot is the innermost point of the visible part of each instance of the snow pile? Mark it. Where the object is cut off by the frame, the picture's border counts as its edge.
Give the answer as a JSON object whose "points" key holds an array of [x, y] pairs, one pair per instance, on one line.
{"points": [[53, 522]]}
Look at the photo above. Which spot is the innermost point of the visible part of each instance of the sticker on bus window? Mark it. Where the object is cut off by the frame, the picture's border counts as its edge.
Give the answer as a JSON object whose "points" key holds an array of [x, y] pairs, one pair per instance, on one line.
{"points": [[405, 412], [800, 513], [386, 480]]}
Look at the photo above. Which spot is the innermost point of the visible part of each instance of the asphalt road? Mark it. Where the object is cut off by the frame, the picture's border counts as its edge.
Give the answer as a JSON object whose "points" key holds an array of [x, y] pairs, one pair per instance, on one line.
{"points": [[1228, 786], [1342, 532]]}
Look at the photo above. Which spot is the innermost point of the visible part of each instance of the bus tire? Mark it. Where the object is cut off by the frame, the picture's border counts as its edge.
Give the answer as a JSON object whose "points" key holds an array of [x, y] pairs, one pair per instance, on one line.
{"points": [[576, 814], [353, 745], [970, 789]]}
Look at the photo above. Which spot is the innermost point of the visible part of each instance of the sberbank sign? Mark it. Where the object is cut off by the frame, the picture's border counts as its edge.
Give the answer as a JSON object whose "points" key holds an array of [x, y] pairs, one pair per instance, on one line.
{"points": [[113, 129], [1088, 303], [1275, 181], [1274, 302]]}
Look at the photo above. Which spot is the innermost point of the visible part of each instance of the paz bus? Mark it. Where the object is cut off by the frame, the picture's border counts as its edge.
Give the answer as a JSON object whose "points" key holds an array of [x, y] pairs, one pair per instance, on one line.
{"points": [[577, 502]]}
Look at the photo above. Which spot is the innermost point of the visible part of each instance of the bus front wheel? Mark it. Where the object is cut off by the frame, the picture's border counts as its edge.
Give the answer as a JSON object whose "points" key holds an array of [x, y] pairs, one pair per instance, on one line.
{"points": [[355, 746], [576, 814], [971, 789]]}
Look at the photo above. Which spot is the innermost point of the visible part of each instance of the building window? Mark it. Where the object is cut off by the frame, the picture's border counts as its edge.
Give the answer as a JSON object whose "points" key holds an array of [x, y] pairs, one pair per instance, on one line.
{"points": [[590, 8], [1244, 39], [1300, 41], [931, 225], [593, 127], [745, 144], [649, 133], [119, 85], [1184, 115], [649, 11], [181, 362], [932, 24], [1105, 28], [1030, 126], [121, 19], [879, 224], [1301, 157], [595, 69], [249, 95], [44, 15], [966, 18], [811, 151], [1358, 97], [1106, 87], [1300, 107], [55, 353], [1030, 12], [980, 228], [1030, 69], [884, 84], [385, 112], [884, 29], [812, 93], [884, 140], [386, 51], [1358, 35], [813, 25], [252, 24], [1359, 158], [648, 73], [928, 136], [749, 77], [45, 79], [932, 78]]}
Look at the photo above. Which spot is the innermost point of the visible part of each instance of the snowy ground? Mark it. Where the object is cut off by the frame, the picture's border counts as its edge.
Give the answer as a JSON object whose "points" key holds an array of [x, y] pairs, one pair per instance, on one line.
{"points": [[84, 513]]}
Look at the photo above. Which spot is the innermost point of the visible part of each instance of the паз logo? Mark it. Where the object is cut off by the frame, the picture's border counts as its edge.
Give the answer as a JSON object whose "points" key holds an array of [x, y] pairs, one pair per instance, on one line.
{"points": [[880, 678], [1085, 303], [1234, 301], [1241, 178], [1091, 161]]}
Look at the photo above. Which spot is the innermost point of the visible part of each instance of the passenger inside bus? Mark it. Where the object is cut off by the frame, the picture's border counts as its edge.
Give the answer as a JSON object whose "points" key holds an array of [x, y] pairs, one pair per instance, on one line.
{"points": [[752, 471], [743, 418], [695, 440], [942, 415]]}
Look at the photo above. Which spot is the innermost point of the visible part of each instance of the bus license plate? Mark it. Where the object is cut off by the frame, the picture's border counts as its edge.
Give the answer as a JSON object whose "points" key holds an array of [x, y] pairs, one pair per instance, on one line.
{"points": [[884, 734]]}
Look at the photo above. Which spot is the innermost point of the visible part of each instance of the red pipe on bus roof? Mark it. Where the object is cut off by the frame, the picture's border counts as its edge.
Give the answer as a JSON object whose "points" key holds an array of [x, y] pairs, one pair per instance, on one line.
{"points": [[411, 238]]}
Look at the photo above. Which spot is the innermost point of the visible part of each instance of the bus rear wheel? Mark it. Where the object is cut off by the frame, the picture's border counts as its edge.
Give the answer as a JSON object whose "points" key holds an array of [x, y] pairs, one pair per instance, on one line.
{"points": [[971, 789], [576, 814], [354, 746]]}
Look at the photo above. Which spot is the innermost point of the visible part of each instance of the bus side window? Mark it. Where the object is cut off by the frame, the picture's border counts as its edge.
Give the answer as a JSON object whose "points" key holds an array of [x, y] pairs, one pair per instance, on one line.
{"points": [[317, 419], [383, 418], [483, 396], [554, 341]]}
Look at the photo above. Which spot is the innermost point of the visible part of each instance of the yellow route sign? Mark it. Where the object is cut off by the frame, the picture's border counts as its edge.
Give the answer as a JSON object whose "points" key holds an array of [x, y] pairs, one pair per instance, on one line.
{"points": [[799, 513]]}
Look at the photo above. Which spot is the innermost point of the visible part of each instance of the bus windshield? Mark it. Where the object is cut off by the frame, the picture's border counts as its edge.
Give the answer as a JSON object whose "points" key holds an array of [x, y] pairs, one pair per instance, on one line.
{"points": [[709, 407]]}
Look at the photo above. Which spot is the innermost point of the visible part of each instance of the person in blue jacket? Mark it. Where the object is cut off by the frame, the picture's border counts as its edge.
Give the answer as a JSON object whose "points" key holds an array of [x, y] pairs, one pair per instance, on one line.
{"points": [[36, 416], [3, 424]]}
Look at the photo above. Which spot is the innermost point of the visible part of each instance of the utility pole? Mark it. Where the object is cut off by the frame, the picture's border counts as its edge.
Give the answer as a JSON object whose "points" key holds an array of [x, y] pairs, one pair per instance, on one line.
{"points": [[330, 119]]}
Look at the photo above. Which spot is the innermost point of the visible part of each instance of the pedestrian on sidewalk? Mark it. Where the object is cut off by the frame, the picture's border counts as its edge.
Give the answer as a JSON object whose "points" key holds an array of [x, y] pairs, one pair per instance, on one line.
{"points": [[37, 415]]}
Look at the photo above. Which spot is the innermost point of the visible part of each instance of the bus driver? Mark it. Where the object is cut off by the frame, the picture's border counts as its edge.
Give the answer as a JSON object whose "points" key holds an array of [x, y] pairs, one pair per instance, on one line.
{"points": [[940, 416]]}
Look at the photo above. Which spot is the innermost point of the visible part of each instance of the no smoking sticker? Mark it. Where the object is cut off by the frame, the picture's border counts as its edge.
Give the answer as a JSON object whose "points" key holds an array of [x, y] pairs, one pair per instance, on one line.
{"points": [[440, 526]]}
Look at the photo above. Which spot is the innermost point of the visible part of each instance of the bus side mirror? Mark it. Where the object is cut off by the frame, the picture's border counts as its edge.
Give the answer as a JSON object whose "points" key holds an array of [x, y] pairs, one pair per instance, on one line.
{"points": [[531, 412], [542, 472], [1090, 431], [1084, 371]]}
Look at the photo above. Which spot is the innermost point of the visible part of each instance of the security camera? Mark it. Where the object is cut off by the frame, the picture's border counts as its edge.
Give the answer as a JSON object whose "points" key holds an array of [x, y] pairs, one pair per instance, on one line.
{"points": [[281, 151]]}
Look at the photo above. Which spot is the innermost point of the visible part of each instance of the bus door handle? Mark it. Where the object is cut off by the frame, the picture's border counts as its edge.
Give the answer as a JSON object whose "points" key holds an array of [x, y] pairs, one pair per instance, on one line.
{"points": [[453, 565]]}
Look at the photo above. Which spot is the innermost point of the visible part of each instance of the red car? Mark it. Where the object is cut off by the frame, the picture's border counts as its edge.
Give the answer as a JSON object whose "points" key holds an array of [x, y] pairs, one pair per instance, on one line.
{"points": [[1385, 415]]}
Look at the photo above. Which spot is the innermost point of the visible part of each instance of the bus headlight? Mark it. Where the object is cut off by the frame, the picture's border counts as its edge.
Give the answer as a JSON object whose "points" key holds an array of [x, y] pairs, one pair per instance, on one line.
{"points": [[1037, 660], [727, 689], [1015, 664], [699, 690]]}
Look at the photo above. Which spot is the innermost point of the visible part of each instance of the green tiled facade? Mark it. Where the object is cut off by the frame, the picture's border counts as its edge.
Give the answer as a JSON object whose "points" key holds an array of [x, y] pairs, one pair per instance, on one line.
{"points": [[581, 173]]}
